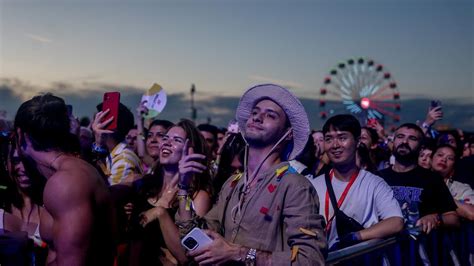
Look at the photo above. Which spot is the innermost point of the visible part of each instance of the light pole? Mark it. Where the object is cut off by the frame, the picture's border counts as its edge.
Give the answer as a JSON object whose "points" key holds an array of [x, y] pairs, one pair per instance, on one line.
{"points": [[193, 109]]}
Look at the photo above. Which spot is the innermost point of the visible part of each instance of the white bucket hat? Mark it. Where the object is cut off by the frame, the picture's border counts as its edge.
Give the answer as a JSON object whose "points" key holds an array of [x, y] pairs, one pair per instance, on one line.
{"points": [[292, 107]]}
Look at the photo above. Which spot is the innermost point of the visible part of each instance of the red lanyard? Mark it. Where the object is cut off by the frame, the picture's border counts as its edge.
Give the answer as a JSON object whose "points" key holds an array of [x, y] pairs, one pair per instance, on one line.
{"points": [[341, 199]]}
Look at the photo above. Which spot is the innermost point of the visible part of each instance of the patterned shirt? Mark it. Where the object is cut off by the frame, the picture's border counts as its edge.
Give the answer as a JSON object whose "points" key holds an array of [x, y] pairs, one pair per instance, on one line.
{"points": [[121, 164], [279, 215]]}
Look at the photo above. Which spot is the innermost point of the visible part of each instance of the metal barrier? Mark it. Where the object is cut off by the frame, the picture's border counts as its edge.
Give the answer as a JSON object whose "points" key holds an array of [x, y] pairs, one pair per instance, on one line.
{"points": [[440, 247]]}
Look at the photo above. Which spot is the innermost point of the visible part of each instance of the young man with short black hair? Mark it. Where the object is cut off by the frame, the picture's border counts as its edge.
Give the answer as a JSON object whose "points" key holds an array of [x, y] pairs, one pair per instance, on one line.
{"points": [[362, 196]]}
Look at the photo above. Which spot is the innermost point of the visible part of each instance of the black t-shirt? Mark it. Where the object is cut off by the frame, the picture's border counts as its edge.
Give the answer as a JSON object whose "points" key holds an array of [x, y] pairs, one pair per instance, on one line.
{"points": [[419, 192]]}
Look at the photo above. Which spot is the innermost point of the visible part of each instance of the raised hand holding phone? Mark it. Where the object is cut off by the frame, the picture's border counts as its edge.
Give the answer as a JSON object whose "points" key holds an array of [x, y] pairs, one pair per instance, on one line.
{"points": [[435, 113], [99, 125], [111, 102], [189, 165]]}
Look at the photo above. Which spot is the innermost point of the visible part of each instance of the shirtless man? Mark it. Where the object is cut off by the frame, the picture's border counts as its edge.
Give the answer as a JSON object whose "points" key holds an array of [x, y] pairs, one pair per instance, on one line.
{"points": [[79, 225]]}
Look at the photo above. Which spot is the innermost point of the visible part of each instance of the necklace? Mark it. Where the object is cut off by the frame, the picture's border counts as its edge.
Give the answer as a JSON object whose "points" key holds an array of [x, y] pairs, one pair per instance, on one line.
{"points": [[54, 160]]}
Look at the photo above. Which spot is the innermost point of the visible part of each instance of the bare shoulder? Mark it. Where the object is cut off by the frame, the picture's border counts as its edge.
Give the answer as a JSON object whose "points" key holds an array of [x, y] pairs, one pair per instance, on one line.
{"points": [[73, 183]]}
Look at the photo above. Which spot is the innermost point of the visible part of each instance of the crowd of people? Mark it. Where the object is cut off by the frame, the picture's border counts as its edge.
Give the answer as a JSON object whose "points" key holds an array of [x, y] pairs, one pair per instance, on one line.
{"points": [[267, 190]]}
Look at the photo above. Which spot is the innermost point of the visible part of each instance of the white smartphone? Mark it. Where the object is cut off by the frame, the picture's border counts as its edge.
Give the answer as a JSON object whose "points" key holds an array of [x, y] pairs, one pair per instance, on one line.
{"points": [[195, 239]]}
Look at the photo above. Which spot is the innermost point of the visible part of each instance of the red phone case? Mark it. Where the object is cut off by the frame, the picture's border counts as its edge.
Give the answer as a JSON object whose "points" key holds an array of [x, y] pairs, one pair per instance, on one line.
{"points": [[111, 102]]}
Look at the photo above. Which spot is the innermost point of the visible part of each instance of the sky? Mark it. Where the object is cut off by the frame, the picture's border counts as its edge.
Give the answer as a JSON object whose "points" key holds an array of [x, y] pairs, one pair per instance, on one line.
{"points": [[79, 49]]}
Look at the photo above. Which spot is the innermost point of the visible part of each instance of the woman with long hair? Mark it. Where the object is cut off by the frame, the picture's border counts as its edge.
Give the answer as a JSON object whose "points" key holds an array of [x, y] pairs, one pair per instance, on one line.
{"points": [[148, 138], [25, 198], [155, 237], [443, 163]]}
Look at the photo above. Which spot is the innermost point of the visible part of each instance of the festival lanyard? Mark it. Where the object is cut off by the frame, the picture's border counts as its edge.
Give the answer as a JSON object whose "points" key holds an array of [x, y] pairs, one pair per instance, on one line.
{"points": [[341, 199]]}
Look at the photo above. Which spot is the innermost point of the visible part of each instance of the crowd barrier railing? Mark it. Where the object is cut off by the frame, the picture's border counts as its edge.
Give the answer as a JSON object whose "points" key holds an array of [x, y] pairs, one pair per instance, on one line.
{"points": [[440, 247]]}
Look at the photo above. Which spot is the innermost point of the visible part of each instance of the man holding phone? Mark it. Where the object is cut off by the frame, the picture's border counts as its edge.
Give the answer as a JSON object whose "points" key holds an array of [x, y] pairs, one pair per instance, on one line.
{"points": [[119, 163], [269, 214]]}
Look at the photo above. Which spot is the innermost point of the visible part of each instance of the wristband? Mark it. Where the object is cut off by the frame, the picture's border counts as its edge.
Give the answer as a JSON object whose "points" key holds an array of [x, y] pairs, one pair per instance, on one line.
{"points": [[425, 125]]}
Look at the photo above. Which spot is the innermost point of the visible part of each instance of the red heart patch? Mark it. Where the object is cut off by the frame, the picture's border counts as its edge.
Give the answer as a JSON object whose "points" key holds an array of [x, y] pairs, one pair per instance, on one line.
{"points": [[271, 188], [264, 210]]}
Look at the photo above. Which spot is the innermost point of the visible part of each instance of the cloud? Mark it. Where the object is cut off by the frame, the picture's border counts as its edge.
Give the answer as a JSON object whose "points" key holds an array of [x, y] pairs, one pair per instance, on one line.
{"points": [[38, 38], [221, 109], [285, 83]]}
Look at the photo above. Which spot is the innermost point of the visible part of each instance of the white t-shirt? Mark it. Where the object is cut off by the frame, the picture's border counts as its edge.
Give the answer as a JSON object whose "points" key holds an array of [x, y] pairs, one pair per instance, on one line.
{"points": [[461, 191], [369, 200]]}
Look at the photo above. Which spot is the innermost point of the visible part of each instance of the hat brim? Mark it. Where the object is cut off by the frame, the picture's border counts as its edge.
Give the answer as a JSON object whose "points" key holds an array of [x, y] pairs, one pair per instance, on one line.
{"points": [[292, 107]]}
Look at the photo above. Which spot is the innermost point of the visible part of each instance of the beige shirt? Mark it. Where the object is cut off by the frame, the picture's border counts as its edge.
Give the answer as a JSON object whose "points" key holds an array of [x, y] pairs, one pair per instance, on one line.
{"points": [[279, 215]]}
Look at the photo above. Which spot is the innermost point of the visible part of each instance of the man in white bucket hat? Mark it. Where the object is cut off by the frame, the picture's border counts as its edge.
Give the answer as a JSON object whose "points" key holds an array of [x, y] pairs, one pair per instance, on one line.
{"points": [[269, 214]]}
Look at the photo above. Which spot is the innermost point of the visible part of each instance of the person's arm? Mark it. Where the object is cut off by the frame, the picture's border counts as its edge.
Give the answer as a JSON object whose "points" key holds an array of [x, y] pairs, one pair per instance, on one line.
{"points": [[433, 115], [170, 234], [189, 165], [450, 219], [221, 251], [202, 204], [431, 221], [465, 210], [141, 110], [69, 206], [98, 127], [382, 229], [464, 200], [388, 210], [303, 229]]}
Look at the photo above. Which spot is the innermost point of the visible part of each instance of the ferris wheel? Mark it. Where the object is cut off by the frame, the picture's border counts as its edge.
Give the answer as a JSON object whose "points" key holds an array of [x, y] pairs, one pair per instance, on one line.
{"points": [[365, 88]]}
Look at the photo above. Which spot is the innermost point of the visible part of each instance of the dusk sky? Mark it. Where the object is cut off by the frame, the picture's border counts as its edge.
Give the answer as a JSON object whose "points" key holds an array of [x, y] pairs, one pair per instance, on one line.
{"points": [[74, 47]]}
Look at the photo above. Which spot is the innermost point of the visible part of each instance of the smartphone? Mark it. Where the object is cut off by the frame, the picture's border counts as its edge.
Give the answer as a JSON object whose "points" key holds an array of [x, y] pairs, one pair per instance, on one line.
{"points": [[195, 239], [111, 102], [435, 104]]}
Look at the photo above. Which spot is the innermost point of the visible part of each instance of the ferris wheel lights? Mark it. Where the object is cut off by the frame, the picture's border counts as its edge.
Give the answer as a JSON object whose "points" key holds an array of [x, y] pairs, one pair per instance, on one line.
{"points": [[365, 87], [365, 103]]}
